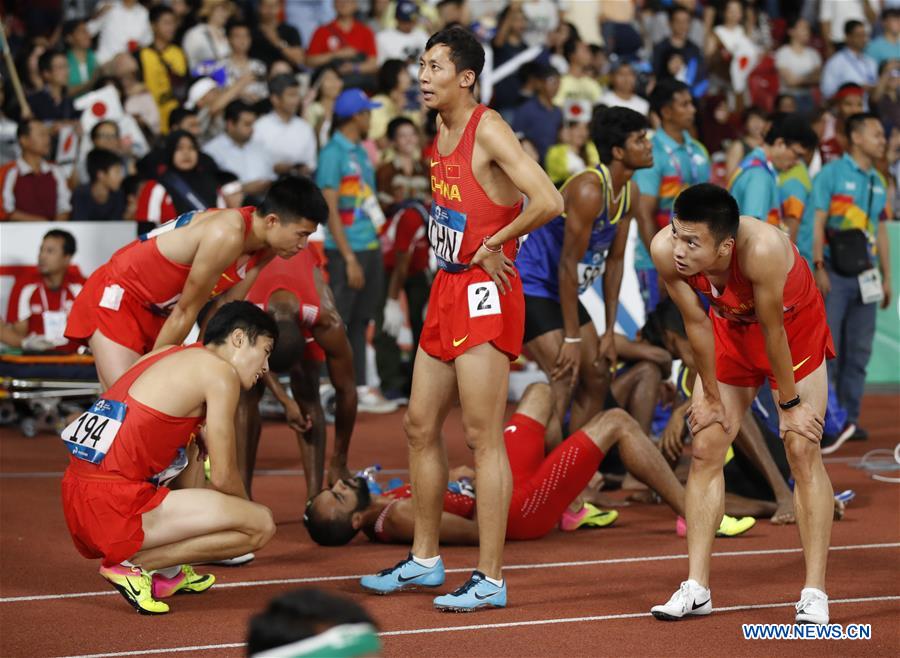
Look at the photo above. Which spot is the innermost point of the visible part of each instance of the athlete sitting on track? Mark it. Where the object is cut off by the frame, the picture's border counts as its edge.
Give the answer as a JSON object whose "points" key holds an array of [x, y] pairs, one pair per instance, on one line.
{"points": [[310, 331], [151, 290], [561, 259], [147, 535], [545, 489]]}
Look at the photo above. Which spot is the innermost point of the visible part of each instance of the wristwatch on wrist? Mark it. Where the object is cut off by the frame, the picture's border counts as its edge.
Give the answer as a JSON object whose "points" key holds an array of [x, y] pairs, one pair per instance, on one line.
{"points": [[790, 404]]}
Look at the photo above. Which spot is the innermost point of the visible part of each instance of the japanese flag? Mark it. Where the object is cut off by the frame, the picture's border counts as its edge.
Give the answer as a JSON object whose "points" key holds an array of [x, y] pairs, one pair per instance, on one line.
{"points": [[100, 105], [745, 59]]}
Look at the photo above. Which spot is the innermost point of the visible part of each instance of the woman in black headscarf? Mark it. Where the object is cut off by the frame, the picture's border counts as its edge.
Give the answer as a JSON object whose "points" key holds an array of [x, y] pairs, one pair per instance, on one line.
{"points": [[185, 185]]}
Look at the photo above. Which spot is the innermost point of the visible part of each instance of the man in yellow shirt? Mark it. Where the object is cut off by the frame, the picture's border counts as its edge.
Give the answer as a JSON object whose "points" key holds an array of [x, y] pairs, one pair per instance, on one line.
{"points": [[164, 64]]}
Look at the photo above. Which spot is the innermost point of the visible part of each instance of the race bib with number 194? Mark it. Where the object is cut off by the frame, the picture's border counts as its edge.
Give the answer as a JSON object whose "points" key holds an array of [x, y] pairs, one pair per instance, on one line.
{"points": [[91, 435]]}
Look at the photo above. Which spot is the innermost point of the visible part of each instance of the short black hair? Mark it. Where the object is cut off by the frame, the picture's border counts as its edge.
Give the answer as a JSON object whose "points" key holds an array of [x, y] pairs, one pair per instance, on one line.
{"points": [[299, 615], [69, 244], [396, 123], [793, 129], [664, 93], [711, 205], [754, 111], [179, 114], [466, 52], [235, 109], [158, 11], [281, 83], [45, 61], [610, 127], [389, 74], [890, 12], [570, 45], [101, 160], [337, 531], [677, 9], [234, 24], [665, 316], [851, 25], [248, 317], [70, 26], [100, 124], [856, 121], [293, 198], [24, 128]]}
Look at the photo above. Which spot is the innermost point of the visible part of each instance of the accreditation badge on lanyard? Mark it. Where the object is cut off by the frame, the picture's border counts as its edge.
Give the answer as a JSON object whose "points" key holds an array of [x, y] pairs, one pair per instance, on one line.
{"points": [[54, 321]]}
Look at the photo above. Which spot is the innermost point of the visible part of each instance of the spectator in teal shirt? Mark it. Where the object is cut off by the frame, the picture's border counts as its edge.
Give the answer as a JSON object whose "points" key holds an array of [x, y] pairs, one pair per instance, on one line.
{"points": [[755, 182], [346, 177], [887, 46], [679, 161], [850, 194]]}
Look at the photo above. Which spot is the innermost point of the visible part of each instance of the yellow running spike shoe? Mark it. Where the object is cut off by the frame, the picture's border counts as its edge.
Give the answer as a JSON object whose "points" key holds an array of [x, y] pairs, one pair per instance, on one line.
{"points": [[732, 527], [187, 581], [136, 586], [588, 516]]}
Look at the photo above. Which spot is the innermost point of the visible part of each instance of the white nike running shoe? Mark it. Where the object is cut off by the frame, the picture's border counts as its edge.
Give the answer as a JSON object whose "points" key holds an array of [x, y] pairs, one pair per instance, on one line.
{"points": [[813, 606], [689, 599]]}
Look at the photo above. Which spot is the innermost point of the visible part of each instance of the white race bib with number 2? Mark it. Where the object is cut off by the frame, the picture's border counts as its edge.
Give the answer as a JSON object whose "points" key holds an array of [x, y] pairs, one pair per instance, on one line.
{"points": [[483, 299], [92, 434]]}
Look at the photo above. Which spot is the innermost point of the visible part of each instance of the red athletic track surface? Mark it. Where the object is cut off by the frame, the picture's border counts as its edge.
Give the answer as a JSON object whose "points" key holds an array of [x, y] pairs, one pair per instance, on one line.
{"points": [[634, 564]]}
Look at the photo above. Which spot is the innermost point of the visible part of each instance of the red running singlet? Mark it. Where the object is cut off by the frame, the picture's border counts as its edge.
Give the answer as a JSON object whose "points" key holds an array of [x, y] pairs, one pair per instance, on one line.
{"points": [[462, 214]]}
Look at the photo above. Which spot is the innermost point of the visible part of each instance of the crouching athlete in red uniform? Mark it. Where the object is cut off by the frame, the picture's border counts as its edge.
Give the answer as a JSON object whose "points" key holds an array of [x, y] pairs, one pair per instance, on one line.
{"points": [[766, 321], [150, 292], [114, 498], [543, 487]]}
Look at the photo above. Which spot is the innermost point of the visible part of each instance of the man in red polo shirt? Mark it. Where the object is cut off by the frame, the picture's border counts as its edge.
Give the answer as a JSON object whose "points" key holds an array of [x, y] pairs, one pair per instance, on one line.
{"points": [[32, 189], [40, 302], [345, 42]]}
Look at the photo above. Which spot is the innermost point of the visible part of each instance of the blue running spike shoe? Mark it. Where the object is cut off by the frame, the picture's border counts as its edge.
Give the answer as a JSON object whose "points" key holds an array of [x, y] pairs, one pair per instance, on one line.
{"points": [[476, 593], [405, 575]]}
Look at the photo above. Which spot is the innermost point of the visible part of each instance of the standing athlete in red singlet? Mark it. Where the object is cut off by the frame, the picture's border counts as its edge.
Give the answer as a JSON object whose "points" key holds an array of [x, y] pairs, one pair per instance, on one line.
{"points": [[475, 319], [150, 291], [310, 332], [115, 501], [767, 321]]}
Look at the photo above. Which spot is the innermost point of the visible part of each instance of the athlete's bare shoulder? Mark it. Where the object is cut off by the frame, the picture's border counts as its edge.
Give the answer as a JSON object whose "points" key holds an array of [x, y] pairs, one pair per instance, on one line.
{"points": [[584, 195], [763, 249], [661, 252], [494, 134]]}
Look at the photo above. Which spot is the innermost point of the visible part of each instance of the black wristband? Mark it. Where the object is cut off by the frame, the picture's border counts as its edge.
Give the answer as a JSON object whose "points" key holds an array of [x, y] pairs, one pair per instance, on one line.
{"points": [[790, 404]]}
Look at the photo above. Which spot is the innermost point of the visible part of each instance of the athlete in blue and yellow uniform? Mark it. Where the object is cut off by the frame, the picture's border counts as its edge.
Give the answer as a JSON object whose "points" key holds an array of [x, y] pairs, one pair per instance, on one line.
{"points": [[562, 259]]}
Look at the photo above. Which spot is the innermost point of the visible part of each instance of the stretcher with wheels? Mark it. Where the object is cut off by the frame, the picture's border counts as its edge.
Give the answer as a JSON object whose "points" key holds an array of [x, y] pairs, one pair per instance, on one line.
{"points": [[38, 392]]}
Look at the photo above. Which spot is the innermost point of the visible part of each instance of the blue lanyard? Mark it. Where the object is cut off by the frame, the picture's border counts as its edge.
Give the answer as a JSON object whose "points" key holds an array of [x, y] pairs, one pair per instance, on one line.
{"points": [[673, 159]]}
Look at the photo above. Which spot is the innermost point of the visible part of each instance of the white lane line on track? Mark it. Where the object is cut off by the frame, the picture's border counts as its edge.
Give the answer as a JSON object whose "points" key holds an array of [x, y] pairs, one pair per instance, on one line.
{"points": [[479, 627], [512, 567]]}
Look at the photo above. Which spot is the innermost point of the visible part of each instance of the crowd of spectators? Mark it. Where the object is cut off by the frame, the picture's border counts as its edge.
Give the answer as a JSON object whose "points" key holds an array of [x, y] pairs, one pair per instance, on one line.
{"points": [[144, 109]]}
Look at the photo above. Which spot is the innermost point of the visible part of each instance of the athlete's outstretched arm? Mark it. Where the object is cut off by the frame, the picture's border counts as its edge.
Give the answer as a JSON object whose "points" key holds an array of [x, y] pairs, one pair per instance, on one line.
{"points": [[330, 334], [706, 409], [583, 200], [222, 391], [612, 283], [218, 248], [503, 148], [767, 269]]}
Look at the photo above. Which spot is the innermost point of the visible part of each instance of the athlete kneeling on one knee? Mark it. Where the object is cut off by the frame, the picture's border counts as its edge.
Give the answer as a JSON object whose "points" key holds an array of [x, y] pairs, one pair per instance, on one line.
{"points": [[118, 509]]}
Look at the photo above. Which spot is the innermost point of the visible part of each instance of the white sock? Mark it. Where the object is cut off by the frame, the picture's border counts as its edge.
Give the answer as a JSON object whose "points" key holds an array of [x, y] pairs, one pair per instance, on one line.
{"points": [[697, 585], [816, 590], [427, 561], [126, 563], [492, 581], [170, 572]]}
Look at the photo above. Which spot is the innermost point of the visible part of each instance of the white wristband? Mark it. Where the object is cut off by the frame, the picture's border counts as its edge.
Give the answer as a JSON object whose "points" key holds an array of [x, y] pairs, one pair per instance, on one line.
{"points": [[572, 340]]}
